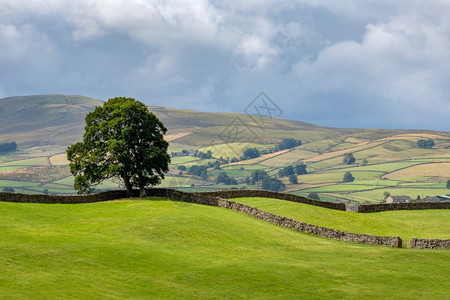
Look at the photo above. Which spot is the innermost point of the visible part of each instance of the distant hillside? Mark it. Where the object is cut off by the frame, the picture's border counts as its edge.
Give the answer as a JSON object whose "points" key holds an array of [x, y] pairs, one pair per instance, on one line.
{"points": [[44, 119], [386, 161]]}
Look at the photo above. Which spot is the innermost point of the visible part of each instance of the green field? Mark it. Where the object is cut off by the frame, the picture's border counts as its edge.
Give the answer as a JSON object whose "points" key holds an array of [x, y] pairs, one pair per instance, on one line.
{"points": [[183, 160], [39, 161], [406, 224], [166, 249]]}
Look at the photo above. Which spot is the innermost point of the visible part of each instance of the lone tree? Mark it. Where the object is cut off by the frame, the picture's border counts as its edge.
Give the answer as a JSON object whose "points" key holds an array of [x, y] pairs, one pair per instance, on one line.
{"points": [[348, 159], [122, 139], [348, 177]]}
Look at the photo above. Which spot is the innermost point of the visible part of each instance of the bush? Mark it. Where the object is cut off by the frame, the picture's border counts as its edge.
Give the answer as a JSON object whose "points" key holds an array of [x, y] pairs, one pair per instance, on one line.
{"points": [[9, 190], [314, 196]]}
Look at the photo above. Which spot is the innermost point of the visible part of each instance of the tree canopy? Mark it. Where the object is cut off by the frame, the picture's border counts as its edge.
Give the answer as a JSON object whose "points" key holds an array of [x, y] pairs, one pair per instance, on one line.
{"points": [[122, 139], [425, 144], [273, 184], [288, 143], [348, 159], [251, 153], [300, 169], [348, 177], [258, 175], [293, 179], [200, 171], [286, 171], [223, 178], [8, 147]]}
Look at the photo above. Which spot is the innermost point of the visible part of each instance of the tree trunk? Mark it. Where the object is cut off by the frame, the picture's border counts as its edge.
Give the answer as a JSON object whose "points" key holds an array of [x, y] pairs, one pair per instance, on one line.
{"points": [[126, 181], [142, 192]]}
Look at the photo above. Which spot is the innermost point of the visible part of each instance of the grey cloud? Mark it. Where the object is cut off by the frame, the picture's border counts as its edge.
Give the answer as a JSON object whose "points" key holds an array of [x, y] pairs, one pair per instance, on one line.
{"points": [[348, 63]]}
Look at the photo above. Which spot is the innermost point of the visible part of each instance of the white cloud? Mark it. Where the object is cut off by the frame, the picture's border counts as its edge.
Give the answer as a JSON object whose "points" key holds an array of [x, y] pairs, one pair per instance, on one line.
{"points": [[218, 54], [398, 63], [14, 41]]}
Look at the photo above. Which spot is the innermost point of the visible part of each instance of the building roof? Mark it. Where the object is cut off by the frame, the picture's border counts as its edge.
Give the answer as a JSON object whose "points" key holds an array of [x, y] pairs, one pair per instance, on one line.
{"points": [[400, 198], [431, 199]]}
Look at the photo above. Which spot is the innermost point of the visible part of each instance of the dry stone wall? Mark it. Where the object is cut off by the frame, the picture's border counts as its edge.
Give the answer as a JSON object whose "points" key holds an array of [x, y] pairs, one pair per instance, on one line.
{"points": [[207, 199], [63, 199], [369, 208], [430, 244], [268, 194]]}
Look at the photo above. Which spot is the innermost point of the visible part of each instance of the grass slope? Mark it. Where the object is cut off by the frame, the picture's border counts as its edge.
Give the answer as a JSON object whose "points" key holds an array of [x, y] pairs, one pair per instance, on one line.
{"points": [[44, 119], [165, 249], [427, 224]]}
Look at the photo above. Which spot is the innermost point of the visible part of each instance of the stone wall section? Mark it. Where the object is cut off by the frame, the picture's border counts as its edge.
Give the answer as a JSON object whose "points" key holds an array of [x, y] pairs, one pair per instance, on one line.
{"points": [[369, 208], [228, 194], [430, 244], [62, 199], [207, 199]]}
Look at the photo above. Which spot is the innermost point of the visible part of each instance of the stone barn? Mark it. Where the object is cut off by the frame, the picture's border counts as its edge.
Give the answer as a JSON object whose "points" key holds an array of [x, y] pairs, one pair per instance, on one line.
{"points": [[398, 199]]}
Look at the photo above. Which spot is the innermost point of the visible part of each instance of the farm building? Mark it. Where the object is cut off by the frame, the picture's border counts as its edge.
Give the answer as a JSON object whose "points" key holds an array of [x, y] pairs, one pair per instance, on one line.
{"points": [[398, 199], [431, 199]]}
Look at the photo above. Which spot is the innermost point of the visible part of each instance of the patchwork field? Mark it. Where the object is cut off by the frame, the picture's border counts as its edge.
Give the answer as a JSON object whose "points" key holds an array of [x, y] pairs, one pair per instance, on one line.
{"points": [[166, 249], [385, 160]]}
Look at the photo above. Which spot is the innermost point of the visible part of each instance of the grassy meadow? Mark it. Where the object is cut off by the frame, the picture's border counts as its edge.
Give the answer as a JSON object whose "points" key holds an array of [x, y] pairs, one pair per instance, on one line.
{"points": [[166, 249], [426, 224]]}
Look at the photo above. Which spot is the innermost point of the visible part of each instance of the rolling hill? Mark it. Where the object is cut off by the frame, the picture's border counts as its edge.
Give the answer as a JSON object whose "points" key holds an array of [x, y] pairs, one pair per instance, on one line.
{"points": [[386, 160], [165, 249]]}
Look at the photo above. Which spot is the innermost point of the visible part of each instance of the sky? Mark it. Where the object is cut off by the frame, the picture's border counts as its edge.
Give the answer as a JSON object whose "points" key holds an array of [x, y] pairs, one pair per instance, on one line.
{"points": [[347, 63]]}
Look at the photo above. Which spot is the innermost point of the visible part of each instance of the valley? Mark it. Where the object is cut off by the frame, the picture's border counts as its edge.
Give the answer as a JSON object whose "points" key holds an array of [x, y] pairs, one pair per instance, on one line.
{"points": [[385, 160]]}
